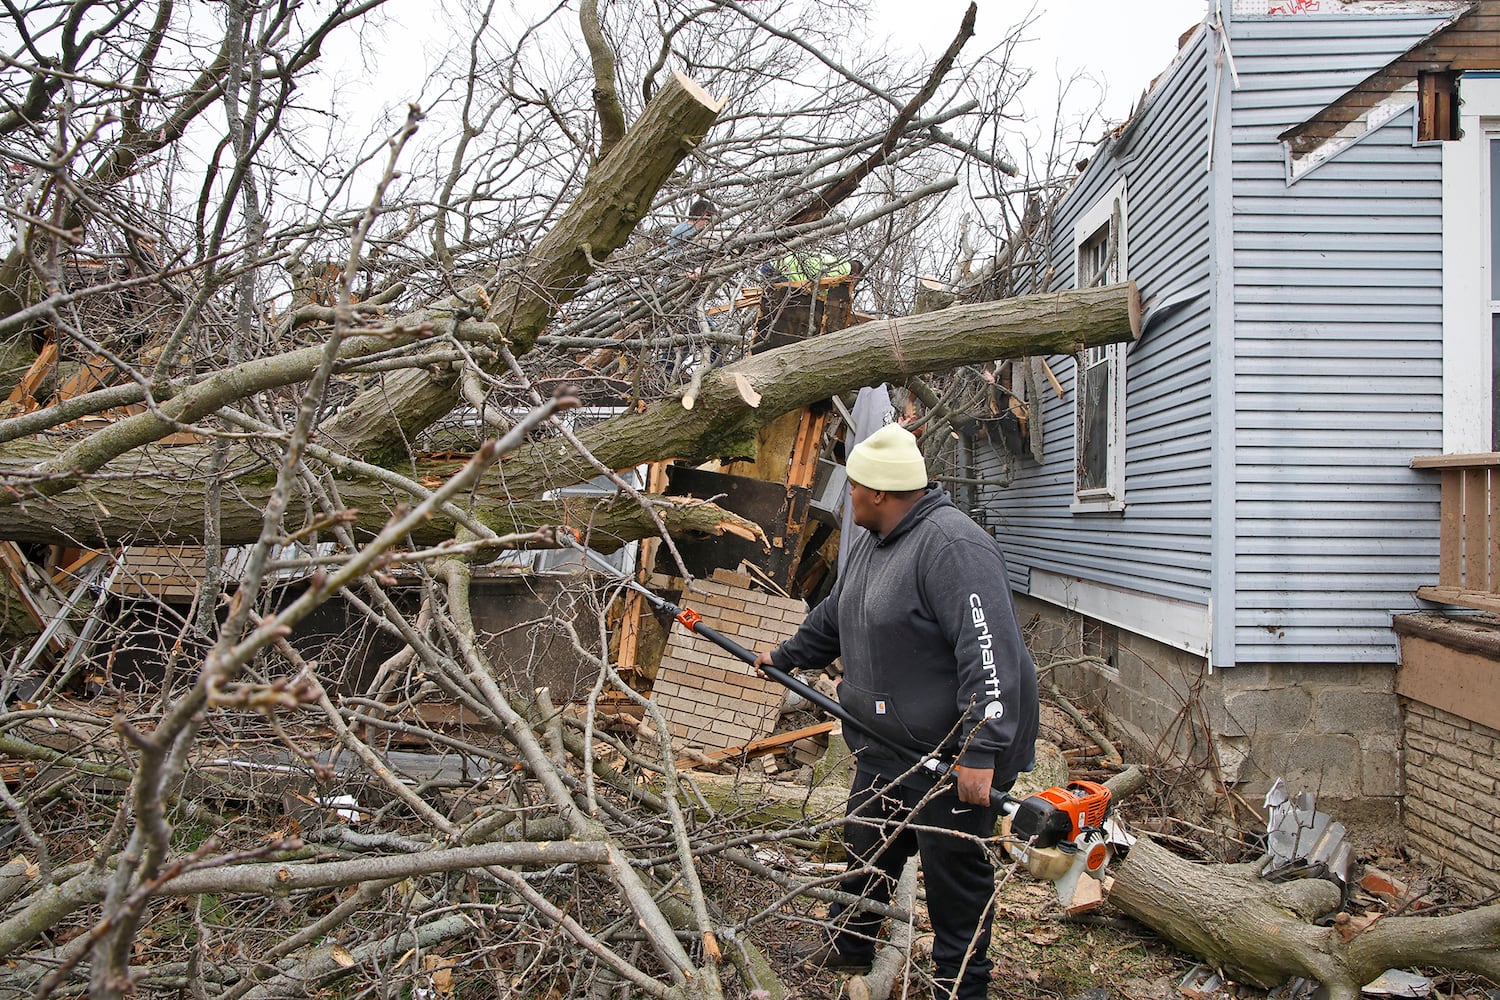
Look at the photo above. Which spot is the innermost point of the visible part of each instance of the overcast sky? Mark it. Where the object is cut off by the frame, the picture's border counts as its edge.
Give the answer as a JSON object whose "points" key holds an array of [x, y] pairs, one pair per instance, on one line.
{"points": [[1115, 47], [1119, 44]]}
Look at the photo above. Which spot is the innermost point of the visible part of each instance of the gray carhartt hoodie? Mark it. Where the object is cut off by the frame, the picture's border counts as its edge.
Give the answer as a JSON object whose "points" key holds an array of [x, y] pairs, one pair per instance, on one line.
{"points": [[932, 653]]}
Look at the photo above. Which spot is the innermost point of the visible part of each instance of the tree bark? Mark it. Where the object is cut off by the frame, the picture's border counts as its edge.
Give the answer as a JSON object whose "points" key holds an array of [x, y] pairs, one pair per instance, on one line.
{"points": [[522, 298], [158, 495], [1262, 932], [722, 424], [606, 97]]}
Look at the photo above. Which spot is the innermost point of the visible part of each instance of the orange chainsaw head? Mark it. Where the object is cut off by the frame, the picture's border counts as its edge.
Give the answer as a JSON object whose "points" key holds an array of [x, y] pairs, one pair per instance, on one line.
{"points": [[1086, 803]]}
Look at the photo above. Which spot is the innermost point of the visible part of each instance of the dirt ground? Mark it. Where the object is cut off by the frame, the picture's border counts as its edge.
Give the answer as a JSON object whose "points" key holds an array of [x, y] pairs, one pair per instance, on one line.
{"points": [[1041, 953]]}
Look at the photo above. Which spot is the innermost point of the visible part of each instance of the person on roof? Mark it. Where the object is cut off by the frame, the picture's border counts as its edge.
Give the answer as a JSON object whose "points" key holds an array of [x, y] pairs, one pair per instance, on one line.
{"points": [[700, 214]]}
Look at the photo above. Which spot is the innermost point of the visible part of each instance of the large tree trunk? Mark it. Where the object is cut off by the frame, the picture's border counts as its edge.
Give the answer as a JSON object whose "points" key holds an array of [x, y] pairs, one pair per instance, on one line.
{"points": [[525, 295], [722, 423], [158, 495], [1263, 932]]}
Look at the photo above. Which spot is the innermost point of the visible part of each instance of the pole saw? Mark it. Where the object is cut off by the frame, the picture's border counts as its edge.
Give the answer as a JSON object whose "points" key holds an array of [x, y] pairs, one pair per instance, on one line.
{"points": [[1059, 832]]}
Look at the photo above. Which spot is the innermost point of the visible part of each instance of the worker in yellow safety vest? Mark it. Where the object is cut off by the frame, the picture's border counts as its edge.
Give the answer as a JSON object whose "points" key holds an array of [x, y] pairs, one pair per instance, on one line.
{"points": [[804, 266]]}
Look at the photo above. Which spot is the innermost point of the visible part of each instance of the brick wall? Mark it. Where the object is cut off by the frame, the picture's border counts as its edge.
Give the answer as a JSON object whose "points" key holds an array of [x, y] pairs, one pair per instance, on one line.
{"points": [[712, 700], [165, 572], [1452, 797]]}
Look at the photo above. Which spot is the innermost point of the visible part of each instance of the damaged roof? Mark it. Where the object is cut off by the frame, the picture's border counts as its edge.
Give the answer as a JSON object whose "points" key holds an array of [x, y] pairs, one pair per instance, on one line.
{"points": [[1467, 42]]}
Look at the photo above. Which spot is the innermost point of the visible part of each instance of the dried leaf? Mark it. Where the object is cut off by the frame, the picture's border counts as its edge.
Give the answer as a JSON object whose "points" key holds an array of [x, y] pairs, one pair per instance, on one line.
{"points": [[341, 955], [440, 972], [1043, 937], [1350, 927]]}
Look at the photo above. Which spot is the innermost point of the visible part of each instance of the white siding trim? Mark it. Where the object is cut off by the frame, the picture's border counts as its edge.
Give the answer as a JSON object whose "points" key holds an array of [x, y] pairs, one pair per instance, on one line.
{"points": [[1179, 624], [1223, 598], [1466, 275], [1391, 107]]}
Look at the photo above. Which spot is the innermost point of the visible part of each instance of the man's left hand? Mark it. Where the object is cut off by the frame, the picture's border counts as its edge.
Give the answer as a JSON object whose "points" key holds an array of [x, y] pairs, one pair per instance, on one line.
{"points": [[974, 784]]}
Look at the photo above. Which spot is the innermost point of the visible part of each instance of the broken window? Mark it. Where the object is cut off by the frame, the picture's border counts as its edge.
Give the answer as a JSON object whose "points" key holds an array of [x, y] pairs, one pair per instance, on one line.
{"points": [[1099, 404]]}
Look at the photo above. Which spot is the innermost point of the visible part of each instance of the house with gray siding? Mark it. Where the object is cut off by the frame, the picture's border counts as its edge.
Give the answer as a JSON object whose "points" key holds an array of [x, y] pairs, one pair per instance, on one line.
{"points": [[1228, 513]]}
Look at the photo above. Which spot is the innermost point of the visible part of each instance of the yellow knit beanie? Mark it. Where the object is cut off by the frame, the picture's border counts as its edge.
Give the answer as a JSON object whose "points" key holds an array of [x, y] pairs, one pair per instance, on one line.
{"points": [[889, 459]]}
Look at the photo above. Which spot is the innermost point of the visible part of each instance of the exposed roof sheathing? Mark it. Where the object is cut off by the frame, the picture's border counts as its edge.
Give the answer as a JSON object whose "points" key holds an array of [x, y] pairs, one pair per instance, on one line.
{"points": [[1468, 42]]}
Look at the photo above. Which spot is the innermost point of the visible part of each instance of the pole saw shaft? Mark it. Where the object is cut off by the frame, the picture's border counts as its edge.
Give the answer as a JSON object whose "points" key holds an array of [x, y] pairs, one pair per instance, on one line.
{"points": [[693, 622], [691, 619]]}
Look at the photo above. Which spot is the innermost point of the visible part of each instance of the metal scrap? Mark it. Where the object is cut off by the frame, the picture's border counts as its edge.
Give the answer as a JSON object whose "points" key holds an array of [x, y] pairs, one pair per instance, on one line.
{"points": [[1302, 840], [1395, 983], [1202, 982]]}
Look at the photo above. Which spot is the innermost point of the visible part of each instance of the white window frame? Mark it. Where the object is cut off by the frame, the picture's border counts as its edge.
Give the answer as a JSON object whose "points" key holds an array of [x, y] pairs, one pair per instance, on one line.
{"points": [[1111, 496], [1468, 309]]}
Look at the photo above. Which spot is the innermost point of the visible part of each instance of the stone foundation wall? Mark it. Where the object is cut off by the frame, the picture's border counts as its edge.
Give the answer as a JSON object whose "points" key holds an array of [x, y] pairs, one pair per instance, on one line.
{"points": [[1332, 729]]}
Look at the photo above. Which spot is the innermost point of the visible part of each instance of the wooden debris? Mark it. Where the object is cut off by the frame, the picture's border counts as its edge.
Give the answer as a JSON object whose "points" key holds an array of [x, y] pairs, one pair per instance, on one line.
{"points": [[23, 396], [755, 748]]}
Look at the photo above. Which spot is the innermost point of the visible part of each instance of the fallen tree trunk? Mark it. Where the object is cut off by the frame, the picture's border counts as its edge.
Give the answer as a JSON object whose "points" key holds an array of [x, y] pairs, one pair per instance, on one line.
{"points": [[723, 421], [516, 304], [162, 491], [522, 298], [158, 507], [1262, 932]]}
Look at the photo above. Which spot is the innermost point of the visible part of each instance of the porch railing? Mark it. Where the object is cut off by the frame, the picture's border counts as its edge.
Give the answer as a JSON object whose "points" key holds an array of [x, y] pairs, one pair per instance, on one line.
{"points": [[1469, 531]]}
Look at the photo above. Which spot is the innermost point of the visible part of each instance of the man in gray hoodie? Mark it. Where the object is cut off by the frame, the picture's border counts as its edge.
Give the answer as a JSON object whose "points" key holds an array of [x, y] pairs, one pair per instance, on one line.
{"points": [[933, 660]]}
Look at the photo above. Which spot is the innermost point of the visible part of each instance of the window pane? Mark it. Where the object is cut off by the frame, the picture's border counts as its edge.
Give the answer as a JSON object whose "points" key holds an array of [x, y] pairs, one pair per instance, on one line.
{"points": [[1096, 264], [1495, 381], [1495, 218], [1093, 426]]}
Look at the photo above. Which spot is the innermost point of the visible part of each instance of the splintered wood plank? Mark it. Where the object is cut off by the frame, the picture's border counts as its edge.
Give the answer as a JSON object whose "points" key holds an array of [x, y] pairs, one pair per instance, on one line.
{"points": [[749, 298], [806, 447], [1476, 515], [1450, 530], [70, 570], [96, 372], [24, 394], [12, 565], [757, 748], [630, 630]]}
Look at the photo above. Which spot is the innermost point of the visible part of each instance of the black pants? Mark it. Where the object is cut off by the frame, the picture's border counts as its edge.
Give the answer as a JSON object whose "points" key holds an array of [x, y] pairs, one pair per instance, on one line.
{"points": [[959, 875]]}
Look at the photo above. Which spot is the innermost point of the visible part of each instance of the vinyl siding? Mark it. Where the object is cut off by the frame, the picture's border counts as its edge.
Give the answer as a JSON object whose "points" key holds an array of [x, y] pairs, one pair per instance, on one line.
{"points": [[1338, 351], [1159, 545]]}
